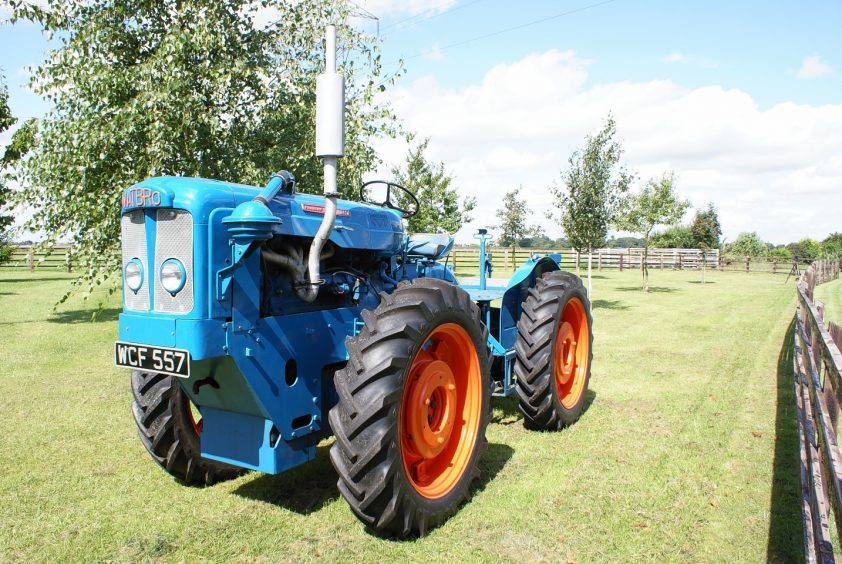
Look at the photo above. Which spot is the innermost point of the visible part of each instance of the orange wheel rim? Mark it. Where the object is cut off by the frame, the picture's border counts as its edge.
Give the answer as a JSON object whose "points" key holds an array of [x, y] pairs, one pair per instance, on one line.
{"points": [[441, 411], [572, 353], [191, 416]]}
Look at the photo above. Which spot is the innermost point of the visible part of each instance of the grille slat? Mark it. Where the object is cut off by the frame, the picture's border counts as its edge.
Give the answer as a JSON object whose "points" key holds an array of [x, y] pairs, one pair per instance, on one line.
{"points": [[133, 241], [174, 239]]}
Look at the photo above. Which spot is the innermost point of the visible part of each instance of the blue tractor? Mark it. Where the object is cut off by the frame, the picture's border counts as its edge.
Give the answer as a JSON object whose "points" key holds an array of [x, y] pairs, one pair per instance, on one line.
{"points": [[259, 322]]}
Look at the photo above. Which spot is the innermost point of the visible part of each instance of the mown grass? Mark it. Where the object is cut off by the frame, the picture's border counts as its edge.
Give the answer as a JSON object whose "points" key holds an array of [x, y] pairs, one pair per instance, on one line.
{"points": [[687, 451], [831, 294]]}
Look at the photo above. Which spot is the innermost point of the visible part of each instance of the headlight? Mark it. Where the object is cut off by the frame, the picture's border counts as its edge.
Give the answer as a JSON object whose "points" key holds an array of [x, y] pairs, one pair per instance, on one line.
{"points": [[173, 275], [133, 274]]}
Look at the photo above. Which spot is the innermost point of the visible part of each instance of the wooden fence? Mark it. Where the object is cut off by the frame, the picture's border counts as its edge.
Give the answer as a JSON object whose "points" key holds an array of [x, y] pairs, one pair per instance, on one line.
{"points": [[465, 260], [817, 370], [30, 257]]}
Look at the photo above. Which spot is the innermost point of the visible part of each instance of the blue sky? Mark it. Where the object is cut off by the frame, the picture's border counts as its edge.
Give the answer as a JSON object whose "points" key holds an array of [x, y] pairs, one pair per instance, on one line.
{"points": [[728, 94], [755, 46]]}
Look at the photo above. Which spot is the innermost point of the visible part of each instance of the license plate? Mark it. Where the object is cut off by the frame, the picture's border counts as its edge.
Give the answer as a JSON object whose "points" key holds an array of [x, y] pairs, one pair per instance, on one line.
{"points": [[174, 362]]}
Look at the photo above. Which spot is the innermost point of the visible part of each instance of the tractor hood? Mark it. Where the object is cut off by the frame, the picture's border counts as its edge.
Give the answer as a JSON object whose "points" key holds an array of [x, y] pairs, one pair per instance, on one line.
{"points": [[357, 226]]}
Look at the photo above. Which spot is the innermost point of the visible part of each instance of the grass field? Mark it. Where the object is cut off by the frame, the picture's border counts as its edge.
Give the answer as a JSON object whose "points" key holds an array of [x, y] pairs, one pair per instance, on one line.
{"points": [[687, 452], [831, 295]]}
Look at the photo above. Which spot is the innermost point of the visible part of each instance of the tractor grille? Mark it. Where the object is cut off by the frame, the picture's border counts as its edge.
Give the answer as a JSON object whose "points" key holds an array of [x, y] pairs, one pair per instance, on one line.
{"points": [[133, 240], [174, 240]]}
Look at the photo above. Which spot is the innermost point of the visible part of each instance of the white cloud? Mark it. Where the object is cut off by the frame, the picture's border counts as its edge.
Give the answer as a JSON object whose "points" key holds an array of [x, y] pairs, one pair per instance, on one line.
{"points": [[813, 67], [434, 53], [689, 60], [777, 171], [381, 8], [674, 58]]}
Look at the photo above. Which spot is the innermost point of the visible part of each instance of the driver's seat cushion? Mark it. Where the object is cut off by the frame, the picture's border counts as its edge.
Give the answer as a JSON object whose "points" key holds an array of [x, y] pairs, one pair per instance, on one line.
{"points": [[433, 246]]}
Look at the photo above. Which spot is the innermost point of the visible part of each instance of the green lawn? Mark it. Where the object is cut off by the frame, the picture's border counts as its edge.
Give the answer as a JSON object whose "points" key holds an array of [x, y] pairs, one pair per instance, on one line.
{"points": [[831, 295], [687, 452]]}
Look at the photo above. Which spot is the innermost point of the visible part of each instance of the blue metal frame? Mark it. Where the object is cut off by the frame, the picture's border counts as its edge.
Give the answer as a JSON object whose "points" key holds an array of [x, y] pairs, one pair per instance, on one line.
{"points": [[270, 357]]}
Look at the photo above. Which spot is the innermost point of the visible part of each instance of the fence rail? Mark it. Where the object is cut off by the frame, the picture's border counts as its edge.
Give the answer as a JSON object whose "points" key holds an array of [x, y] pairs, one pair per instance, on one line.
{"points": [[465, 260], [31, 257], [817, 377]]}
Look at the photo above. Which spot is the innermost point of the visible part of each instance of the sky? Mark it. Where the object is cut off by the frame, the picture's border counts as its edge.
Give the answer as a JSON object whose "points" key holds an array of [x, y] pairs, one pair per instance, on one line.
{"points": [[742, 100]]}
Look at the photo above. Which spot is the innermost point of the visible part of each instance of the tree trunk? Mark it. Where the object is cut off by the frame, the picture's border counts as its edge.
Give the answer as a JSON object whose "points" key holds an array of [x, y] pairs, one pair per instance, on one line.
{"points": [[646, 263], [590, 256]]}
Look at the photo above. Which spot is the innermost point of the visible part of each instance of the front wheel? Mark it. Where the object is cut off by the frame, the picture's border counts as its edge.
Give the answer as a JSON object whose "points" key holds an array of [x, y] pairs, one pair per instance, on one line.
{"points": [[170, 430], [414, 402], [554, 352]]}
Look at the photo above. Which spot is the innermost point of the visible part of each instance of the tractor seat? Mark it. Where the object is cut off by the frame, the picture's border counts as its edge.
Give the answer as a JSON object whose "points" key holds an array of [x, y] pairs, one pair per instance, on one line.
{"points": [[433, 246]]}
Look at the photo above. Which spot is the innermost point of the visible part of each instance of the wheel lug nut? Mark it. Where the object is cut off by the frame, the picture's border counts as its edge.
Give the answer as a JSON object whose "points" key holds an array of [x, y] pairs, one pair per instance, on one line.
{"points": [[440, 440], [451, 387], [427, 401]]}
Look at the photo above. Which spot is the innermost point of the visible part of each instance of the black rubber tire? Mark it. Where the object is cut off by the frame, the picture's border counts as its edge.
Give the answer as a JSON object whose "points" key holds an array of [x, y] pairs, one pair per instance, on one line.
{"points": [[366, 421], [166, 430], [537, 330]]}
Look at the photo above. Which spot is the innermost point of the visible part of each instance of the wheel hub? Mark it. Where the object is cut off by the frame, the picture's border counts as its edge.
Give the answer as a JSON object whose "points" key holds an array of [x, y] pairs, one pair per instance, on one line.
{"points": [[565, 352], [433, 393]]}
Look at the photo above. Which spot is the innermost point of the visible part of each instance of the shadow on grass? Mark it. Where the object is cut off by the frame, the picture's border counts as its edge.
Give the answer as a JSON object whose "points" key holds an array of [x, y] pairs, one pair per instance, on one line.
{"points": [[652, 289], [701, 283], [8, 293], [304, 489], [509, 412], [609, 304], [85, 316], [785, 507]]}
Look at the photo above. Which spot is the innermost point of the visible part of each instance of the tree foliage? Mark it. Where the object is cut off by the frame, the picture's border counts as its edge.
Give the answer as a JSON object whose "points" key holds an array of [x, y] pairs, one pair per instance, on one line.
{"points": [[655, 205], [678, 237], [439, 208], [705, 228], [6, 121], [592, 189], [748, 244], [513, 214], [194, 88], [805, 250], [832, 245]]}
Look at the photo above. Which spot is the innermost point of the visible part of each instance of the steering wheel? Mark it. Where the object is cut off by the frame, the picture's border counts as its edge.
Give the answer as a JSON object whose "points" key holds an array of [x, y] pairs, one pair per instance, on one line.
{"points": [[388, 202]]}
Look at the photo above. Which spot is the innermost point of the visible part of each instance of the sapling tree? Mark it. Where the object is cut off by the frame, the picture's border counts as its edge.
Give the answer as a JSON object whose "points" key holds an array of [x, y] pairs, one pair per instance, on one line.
{"points": [[512, 213], [591, 191], [194, 88], [655, 205], [705, 228], [439, 208]]}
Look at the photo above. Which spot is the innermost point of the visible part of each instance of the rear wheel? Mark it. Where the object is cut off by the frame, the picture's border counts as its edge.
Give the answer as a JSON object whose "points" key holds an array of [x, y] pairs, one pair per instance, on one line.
{"points": [[169, 426], [553, 364], [413, 408]]}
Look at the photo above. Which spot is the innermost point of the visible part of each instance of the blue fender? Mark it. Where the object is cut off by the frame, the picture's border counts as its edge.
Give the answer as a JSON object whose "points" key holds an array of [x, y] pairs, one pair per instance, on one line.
{"points": [[519, 284]]}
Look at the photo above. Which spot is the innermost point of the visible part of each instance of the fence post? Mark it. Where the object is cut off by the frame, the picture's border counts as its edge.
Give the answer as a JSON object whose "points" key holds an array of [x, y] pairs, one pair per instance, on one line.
{"points": [[680, 261], [621, 263], [662, 262], [30, 259], [577, 263], [774, 266], [748, 264], [599, 259]]}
